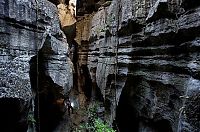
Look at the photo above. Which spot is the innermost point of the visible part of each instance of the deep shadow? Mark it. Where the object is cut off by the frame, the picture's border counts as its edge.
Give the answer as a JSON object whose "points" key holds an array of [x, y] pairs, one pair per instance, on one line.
{"points": [[189, 4], [13, 115], [162, 126], [129, 115], [87, 88], [86, 7], [56, 2], [48, 112], [126, 117]]}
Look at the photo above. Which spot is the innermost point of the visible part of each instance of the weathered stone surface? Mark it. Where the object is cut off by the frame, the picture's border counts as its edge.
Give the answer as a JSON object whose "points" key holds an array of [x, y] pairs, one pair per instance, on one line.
{"points": [[82, 29], [27, 28], [65, 15], [17, 45], [147, 64], [159, 10]]}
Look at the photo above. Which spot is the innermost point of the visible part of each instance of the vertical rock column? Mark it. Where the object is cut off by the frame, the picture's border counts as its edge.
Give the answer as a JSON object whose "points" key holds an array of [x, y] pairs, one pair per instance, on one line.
{"points": [[28, 28]]}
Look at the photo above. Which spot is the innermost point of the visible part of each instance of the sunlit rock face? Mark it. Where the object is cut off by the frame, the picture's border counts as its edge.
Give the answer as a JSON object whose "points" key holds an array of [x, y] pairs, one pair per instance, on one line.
{"points": [[67, 13], [146, 58], [72, 7], [31, 35], [65, 16], [70, 3]]}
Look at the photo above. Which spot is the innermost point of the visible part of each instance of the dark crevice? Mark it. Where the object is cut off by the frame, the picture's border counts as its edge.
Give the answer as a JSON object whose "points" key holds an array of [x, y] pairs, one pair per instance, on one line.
{"points": [[96, 92], [170, 68], [126, 118], [87, 88], [162, 11], [70, 32], [129, 28], [190, 4], [73, 54], [84, 78], [86, 7], [133, 109], [22, 24], [126, 114], [56, 2], [51, 102]]}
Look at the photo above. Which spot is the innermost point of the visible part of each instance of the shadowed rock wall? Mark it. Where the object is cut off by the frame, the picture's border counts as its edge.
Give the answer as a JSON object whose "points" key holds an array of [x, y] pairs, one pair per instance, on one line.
{"points": [[146, 56], [28, 28]]}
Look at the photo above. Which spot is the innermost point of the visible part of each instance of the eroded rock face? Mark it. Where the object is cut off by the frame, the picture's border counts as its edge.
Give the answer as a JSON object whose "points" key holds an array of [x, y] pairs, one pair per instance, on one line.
{"points": [[27, 30], [66, 16], [146, 56]]}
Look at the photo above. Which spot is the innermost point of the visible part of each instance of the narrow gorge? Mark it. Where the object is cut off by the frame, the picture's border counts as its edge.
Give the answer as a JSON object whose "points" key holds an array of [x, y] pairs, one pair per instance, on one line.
{"points": [[99, 66]]}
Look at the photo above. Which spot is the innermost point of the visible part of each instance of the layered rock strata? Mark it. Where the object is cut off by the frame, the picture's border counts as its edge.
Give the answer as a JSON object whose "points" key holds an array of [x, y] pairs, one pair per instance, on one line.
{"points": [[146, 56], [34, 63]]}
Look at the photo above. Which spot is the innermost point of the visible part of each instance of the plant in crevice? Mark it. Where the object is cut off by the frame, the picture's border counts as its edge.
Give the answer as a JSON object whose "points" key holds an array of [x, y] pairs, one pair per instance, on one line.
{"points": [[31, 118], [94, 123]]}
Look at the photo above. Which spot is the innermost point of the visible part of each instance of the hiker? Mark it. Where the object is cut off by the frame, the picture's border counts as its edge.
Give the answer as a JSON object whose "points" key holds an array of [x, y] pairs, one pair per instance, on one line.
{"points": [[69, 107]]}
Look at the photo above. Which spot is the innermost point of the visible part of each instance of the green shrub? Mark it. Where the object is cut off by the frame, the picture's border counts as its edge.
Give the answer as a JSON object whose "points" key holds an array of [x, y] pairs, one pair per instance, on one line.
{"points": [[101, 127], [94, 123]]}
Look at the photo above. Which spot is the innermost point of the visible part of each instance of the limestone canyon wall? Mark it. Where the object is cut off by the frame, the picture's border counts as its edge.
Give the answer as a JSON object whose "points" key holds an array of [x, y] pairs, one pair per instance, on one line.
{"points": [[139, 58], [34, 65], [146, 58]]}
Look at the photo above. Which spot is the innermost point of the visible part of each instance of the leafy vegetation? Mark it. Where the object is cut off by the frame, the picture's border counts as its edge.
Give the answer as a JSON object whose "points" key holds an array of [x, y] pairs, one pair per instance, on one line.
{"points": [[31, 119], [94, 123], [101, 127]]}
